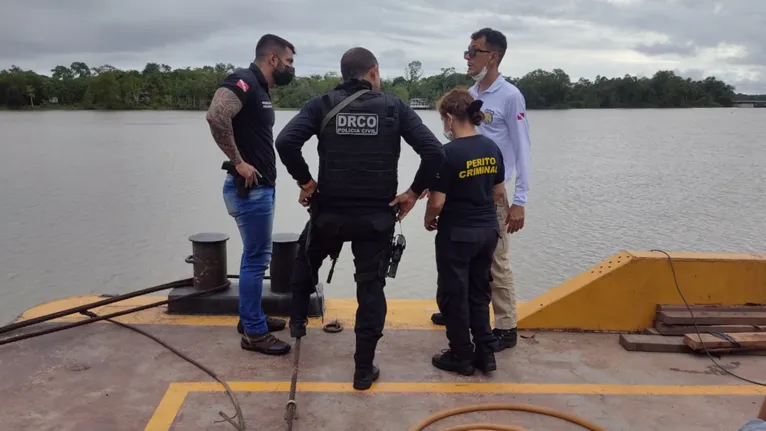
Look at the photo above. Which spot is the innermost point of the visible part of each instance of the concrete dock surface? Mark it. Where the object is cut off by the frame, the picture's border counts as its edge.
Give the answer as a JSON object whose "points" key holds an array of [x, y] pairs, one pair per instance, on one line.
{"points": [[105, 377]]}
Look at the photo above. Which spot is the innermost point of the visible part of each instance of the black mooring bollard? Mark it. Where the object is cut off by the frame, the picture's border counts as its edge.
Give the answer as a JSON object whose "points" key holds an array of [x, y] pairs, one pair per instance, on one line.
{"points": [[284, 250], [209, 260], [210, 270]]}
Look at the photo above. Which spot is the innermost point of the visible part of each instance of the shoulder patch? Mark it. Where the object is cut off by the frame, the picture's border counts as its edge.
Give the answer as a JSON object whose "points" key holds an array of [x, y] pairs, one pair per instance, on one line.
{"points": [[243, 85], [360, 124]]}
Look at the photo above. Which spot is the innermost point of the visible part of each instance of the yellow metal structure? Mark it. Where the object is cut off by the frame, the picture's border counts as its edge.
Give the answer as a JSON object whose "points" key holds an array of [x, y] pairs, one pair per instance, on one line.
{"points": [[621, 293]]}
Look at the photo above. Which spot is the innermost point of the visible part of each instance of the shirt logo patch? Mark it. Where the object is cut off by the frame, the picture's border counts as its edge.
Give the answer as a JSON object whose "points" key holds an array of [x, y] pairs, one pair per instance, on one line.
{"points": [[480, 166], [356, 124], [489, 116], [243, 85], [266, 104], [520, 116]]}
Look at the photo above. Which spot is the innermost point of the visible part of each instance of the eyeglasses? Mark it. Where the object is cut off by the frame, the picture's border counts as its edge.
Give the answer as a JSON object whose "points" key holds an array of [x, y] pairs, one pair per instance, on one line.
{"points": [[471, 53]]}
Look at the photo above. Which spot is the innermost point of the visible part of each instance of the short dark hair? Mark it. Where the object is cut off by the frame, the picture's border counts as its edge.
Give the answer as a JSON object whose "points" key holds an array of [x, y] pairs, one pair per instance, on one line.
{"points": [[356, 62], [271, 42], [496, 40]]}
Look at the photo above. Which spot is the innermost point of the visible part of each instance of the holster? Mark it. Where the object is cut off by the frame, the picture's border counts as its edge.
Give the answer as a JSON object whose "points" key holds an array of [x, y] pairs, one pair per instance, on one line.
{"points": [[243, 191]]}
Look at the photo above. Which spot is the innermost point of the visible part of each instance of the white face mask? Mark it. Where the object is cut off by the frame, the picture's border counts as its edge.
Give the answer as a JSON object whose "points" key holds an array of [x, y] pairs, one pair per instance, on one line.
{"points": [[479, 76], [448, 133]]}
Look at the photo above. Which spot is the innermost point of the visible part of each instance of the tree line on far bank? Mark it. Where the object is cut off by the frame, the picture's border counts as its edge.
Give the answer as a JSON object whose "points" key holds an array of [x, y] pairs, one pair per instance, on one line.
{"points": [[158, 86]]}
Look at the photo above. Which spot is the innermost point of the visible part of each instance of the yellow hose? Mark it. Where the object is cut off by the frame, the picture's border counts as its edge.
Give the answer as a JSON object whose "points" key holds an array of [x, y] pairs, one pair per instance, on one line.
{"points": [[497, 427]]}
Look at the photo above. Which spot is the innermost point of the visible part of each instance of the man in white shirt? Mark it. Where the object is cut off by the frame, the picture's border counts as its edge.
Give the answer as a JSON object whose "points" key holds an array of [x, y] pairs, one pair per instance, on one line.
{"points": [[505, 123]]}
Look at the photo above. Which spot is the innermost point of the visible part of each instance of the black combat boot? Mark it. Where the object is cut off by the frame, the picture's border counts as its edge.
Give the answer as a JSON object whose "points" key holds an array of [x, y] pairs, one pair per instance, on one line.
{"points": [[448, 361], [272, 323], [504, 339], [363, 377], [298, 327], [264, 343], [438, 319], [484, 359]]}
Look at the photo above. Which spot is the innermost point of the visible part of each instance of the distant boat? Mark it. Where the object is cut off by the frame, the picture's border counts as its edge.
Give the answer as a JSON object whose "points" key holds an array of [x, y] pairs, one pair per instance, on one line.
{"points": [[745, 103], [417, 103]]}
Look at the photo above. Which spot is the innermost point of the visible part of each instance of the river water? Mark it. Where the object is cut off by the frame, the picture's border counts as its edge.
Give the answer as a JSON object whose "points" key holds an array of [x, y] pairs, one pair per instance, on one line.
{"points": [[104, 202]]}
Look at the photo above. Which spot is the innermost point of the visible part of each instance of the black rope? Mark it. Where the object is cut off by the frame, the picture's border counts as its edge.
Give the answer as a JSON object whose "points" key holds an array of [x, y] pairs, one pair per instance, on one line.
{"points": [[85, 310], [697, 329], [239, 426]]}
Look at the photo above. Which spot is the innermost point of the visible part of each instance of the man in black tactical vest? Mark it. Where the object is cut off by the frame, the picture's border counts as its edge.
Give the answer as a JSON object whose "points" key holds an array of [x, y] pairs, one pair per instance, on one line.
{"points": [[355, 197]]}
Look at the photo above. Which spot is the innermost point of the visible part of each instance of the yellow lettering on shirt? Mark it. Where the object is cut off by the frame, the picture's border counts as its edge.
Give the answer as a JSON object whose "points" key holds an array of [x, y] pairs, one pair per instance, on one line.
{"points": [[480, 166]]}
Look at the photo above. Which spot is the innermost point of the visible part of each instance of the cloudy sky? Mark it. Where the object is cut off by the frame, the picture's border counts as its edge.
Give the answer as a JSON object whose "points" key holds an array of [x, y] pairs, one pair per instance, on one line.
{"points": [[584, 37]]}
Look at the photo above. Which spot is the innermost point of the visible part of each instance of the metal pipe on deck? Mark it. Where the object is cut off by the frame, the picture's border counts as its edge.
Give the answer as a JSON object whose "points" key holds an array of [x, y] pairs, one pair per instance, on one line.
{"points": [[112, 300]]}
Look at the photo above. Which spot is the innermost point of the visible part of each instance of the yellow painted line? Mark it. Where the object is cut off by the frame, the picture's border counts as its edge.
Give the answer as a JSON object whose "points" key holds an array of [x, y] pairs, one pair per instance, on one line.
{"points": [[166, 411], [500, 388], [173, 400], [402, 313]]}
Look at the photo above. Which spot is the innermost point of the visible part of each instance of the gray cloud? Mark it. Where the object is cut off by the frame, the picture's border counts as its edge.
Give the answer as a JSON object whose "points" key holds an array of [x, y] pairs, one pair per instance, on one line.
{"points": [[583, 37], [683, 50]]}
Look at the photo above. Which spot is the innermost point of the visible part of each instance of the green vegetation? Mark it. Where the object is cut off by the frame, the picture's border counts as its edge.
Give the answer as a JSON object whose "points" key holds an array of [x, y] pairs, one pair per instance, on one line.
{"points": [[160, 87]]}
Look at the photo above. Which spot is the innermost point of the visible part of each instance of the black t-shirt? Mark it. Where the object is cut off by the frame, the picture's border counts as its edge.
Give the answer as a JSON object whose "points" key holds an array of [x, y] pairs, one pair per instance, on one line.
{"points": [[472, 167], [253, 125]]}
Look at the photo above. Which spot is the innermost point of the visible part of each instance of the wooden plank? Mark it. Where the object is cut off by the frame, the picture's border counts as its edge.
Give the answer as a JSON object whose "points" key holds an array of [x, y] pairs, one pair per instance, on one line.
{"points": [[755, 351], [746, 340], [711, 307], [653, 343], [712, 318], [665, 329]]}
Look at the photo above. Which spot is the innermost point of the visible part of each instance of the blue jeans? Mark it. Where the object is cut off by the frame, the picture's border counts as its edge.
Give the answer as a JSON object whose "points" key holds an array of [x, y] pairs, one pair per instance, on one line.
{"points": [[255, 218]]}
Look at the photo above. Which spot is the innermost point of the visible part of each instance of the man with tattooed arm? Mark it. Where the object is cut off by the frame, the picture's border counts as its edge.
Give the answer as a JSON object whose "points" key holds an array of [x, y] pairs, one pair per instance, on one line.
{"points": [[241, 120]]}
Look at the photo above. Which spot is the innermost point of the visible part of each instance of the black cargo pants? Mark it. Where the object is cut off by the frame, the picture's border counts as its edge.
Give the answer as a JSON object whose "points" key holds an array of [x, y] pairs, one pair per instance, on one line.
{"points": [[370, 238], [463, 294]]}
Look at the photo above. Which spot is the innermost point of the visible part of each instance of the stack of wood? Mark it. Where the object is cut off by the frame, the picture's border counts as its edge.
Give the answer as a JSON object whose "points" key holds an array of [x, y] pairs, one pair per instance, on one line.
{"points": [[722, 329]]}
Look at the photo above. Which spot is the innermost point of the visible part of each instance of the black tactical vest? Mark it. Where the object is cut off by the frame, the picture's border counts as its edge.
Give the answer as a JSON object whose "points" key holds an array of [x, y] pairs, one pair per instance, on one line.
{"points": [[359, 149]]}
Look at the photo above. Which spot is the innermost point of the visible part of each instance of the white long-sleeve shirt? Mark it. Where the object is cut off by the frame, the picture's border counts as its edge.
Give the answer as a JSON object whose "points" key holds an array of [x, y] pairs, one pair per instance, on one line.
{"points": [[505, 122]]}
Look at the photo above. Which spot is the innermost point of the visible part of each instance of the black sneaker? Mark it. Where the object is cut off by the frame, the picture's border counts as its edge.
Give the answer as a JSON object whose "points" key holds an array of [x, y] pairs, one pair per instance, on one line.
{"points": [[447, 361], [264, 343], [273, 324], [438, 319], [363, 377], [504, 339]]}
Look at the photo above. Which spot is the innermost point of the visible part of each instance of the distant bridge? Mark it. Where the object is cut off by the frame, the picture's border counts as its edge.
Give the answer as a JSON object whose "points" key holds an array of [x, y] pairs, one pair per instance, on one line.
{"points": [[749, 103]]}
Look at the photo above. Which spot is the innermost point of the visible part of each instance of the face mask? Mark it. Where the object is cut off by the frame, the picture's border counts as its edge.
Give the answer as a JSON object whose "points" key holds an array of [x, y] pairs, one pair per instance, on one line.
{"points": [[479, 76], [284, 76], [448, 133]]}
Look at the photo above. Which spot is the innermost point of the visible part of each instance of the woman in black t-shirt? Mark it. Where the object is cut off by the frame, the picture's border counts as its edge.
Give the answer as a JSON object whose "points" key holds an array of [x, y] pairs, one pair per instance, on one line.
{"points": [[461, 207]]}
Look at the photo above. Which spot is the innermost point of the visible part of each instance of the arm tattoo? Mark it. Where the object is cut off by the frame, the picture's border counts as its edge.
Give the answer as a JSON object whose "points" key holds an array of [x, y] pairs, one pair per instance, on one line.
{"points": [[223, 108]]}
